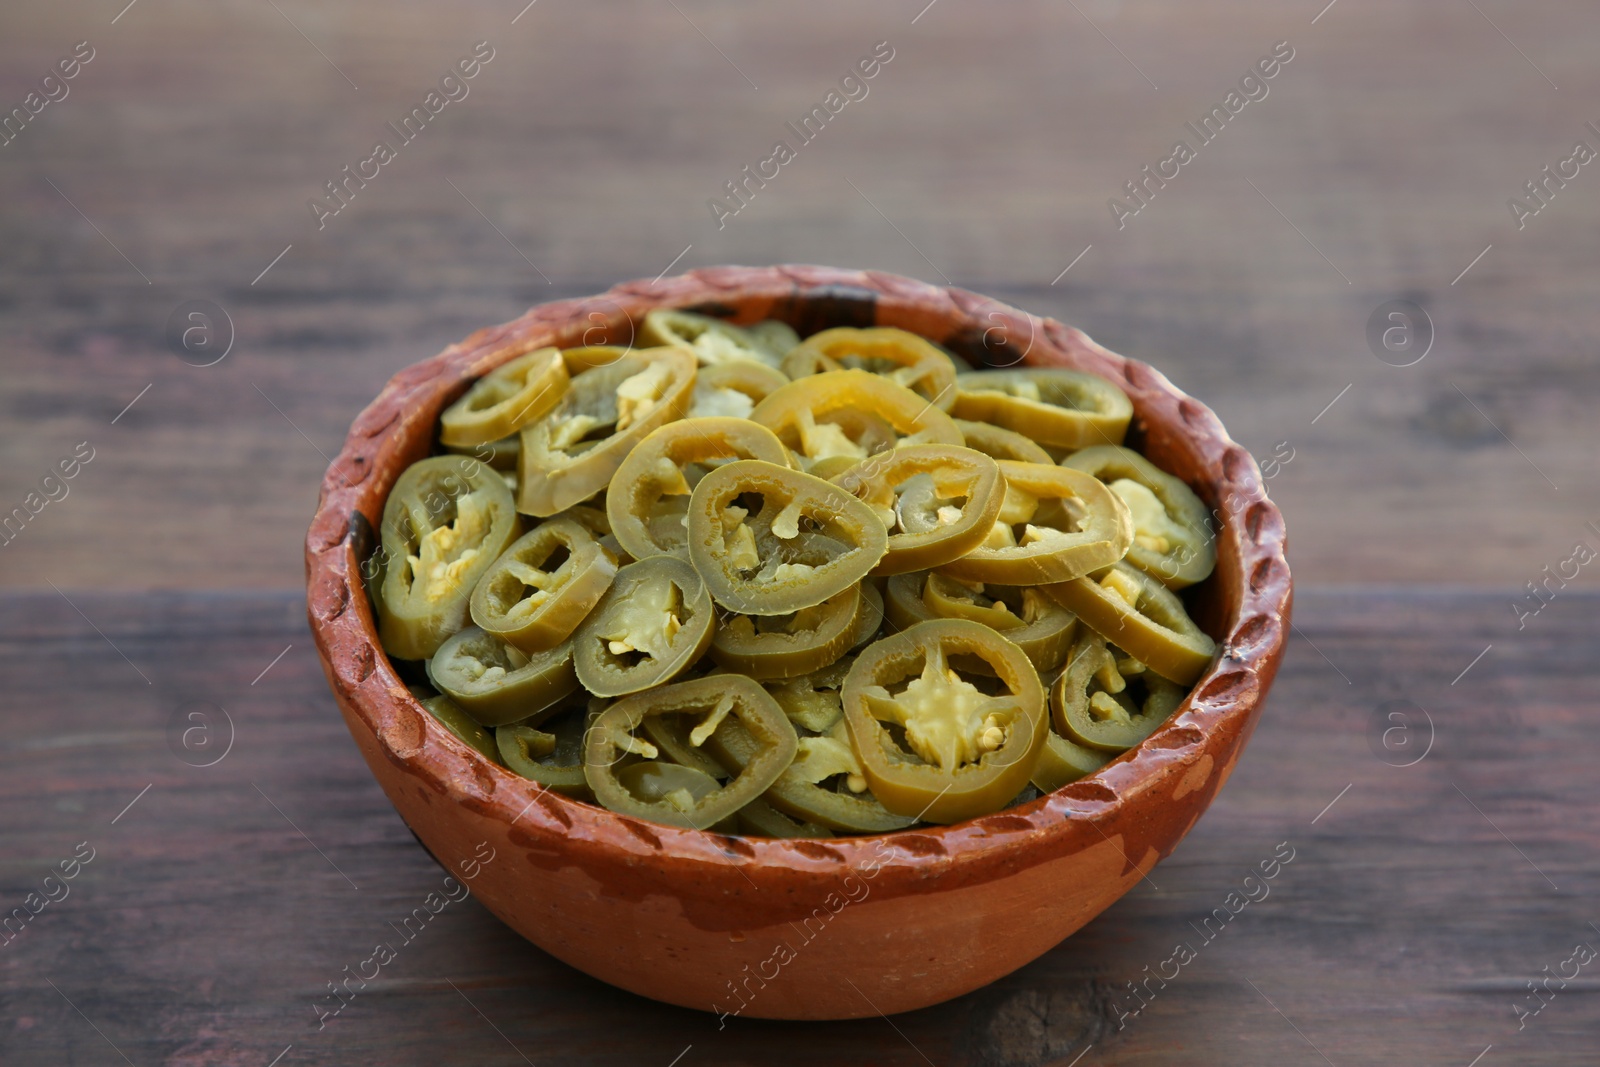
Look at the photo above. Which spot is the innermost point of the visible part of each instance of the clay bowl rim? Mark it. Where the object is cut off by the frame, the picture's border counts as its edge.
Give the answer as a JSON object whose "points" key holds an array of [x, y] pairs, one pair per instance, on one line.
{"points": [[386, 436]]}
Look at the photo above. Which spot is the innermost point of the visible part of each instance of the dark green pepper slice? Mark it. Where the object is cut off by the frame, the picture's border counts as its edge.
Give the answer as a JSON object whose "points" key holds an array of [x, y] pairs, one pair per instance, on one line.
{"points": [[1171, 528], [550, 753], [527, 601], [652, 625], [785, 646], [1050, 405], [461, 725], [497, 683], [506, 399], [937, 502], [1142, 616], [719, 699], [445, 521], [1107, 701]]}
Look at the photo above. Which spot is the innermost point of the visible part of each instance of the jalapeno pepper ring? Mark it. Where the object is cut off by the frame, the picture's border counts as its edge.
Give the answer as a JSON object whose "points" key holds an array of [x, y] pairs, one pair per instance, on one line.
{"points": [[938, 502], [904, 358], [1142, 617], [997, 442], [1035, 623], [1053, 406], [1171, 535], [459, 723], [804, 542], [1108, 702], [733, 388], [959, 751], [497, 683], [506, 399], [851, 413], [718, 698], [552, 756], [1056, 523], [525, 601], [445, 521], [653, 623], [711, 340], [648, 500], [785, 646]]}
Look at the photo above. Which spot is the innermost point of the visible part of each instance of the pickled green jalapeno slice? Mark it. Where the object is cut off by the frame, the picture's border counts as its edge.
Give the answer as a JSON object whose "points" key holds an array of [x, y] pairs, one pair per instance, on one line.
{"points": [[902, 357], [461, 725], [711, 340], [956, 750], [497, 683], [1050, 405], [549, 753], [506, 399], [647, 503], [1029, 619], [445, 521], [822, 785], [543, 586], [851, 413], [1108, 701], [733, 389], [653, 623], [997, 442], [1143, 617], [769, 540], [571, 453], [1063, 761], [786, 646], [1056, 523], [1171, 531], [686, 796], [777, 335], [938, 502]]}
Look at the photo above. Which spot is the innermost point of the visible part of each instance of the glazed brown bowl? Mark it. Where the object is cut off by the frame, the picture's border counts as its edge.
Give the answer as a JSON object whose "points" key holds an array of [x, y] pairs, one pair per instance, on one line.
{"points": [[802, 929]]}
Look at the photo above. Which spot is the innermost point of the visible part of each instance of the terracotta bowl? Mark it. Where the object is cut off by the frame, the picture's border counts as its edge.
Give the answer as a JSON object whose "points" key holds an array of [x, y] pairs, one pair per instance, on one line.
{"points": [[826, 929]]}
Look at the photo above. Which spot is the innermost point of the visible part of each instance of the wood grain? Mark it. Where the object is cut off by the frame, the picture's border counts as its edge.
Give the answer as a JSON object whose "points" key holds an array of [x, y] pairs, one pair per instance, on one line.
{"points": [[985, 154], [1403, 930]]}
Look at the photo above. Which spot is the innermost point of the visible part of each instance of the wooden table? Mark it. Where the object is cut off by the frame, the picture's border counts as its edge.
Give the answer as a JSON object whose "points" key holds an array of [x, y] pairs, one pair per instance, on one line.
{"points": [[1420, 499]]}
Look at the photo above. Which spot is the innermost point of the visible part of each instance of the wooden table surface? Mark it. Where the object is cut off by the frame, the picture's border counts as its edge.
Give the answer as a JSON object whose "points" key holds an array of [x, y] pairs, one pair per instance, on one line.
{"points": [[1379, 166]]}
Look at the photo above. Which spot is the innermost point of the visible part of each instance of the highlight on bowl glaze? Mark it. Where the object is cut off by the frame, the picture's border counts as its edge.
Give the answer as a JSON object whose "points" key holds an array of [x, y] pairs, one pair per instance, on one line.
{"points": [[796, 928]]}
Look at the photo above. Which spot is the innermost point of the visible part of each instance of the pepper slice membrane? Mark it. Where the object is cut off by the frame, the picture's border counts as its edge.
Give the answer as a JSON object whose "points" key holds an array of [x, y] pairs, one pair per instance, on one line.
{"points": [[550, 752], [902, 357], [1049, 405], [497, 683], [711, 340], [733, 388], [932, 744], [653, 623], [445, 521], [1143, 617], [572, 452], [997, 442], [1056, 523], [539, 590], [851, 413], [647, 790], [768, 540], [785, 646], [506, 399], [1108, 701], [1043, 629], [938, 502], [647, 504], [1171, 536]]}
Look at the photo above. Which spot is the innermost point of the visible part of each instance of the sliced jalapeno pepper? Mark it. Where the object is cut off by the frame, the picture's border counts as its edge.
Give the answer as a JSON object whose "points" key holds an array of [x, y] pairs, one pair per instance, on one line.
{"points": [[955, 750], [506, 399], [871, 617], [777, 335], [653, 624], [445, 521], [1052, 406], [497, 683], [760, 818], [733, 388], [851, 413], [648, 501], [1043, 629], [938, 502], [552, 756], [999, 443], [460, 723], [501, 455], [1170, 533], [816, 786], [903, 358], [769, 540], [543, 586], [1064, 761], [1054, 521], [571, 453], [711, 340], [1143, 617], [1108, 702], [784, 646], [590, 357], [812, 700], [668, 796]]}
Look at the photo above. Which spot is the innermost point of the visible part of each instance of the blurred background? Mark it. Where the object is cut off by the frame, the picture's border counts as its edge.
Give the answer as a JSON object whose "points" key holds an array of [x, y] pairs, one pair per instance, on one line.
{"points": [[1423, 159]]}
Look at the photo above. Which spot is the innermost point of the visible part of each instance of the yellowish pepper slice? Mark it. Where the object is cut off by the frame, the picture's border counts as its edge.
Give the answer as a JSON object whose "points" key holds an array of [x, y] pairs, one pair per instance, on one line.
{"points": [[1171, 528], [1050, 405], [904, 358], [1141, 616], [506, 399]]}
